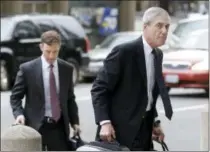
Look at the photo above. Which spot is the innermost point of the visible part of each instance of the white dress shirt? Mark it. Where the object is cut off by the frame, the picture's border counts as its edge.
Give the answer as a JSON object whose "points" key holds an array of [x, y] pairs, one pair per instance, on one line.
{"points": [[46, 83], [149, 61]]}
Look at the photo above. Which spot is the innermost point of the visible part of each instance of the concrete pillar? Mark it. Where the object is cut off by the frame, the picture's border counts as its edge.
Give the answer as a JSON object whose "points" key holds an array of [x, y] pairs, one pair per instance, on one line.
{"points": [[60, 7], [127, 12], [21, 138], [11, 7], [144, 5], [205, 126]]}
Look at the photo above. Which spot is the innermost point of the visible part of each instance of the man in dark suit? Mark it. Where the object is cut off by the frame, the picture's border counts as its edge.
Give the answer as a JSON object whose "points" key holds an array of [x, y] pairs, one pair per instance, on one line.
{"points": [[125, 91], [50, 101]]}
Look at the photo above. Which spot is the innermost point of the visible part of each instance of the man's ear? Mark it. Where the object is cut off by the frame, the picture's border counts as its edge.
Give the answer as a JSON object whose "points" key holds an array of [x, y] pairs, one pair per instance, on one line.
{"points": [[40, 46], [144, 26]]}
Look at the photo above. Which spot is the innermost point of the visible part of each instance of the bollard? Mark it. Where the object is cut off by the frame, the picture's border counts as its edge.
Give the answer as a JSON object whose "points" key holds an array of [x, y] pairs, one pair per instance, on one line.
{"points": [[21, 138], [204, 141]]}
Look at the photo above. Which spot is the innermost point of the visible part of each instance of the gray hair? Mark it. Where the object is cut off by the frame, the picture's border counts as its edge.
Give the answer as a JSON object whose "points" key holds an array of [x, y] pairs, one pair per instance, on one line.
{"points": [[153, 12]]}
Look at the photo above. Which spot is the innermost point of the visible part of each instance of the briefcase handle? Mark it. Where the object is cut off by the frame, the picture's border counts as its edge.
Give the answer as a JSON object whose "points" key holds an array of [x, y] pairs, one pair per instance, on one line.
{"points": [[164, 146]]}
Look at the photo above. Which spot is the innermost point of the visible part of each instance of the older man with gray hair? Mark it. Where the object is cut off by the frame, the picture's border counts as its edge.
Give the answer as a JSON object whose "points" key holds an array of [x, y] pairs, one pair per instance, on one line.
{"points": [[126, 89]]}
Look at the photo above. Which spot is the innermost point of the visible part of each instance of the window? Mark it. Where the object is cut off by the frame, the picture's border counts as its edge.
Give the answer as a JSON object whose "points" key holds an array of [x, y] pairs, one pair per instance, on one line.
{"points": [[7, 27], [26, 29], [183, 29], [46, 25]]}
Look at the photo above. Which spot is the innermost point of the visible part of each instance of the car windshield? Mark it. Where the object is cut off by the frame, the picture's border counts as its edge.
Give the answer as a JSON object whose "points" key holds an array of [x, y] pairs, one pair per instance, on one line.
{"points": [[114, 40], [195, 41], [185, 28], [6, 29]]}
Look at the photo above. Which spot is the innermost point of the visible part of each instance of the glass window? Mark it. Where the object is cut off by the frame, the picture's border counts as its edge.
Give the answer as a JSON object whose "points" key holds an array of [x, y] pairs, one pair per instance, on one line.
{"points": [[70, 24], [114, 40], [197, 40], [7, 27], [185, 28], [46, 25], [27, 30]]}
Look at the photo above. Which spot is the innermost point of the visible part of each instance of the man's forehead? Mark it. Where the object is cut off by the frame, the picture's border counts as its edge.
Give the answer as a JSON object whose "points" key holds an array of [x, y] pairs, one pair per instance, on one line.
{"points": [[163, 20]]}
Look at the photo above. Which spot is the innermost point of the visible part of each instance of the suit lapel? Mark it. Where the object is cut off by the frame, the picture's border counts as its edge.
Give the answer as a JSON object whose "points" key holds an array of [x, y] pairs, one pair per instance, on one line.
{"points": [[39, 77], [141, 60], [61, 71]]}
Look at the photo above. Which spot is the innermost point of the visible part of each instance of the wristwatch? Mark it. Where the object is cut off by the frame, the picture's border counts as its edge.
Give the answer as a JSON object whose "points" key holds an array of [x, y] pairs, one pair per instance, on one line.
{"points": [[157, 123]]}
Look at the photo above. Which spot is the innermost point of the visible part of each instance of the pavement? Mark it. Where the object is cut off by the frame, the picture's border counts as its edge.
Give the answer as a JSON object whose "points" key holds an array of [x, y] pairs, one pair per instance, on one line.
{"points": [[182, 133]]}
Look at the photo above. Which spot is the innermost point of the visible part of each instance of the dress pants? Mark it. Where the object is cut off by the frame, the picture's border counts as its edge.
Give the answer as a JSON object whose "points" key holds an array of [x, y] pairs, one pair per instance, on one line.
{"points": [[143, 139], [53, 135]]}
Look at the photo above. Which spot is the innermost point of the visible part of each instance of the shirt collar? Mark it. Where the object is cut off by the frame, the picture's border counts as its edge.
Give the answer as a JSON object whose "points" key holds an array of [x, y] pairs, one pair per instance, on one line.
{"points": [[45, 64], [147, 48]]}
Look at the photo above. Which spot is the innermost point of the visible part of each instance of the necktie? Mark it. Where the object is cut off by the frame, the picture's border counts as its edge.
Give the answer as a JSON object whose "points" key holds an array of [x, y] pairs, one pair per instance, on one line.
{"points": [[163, 92], [55, 105]]}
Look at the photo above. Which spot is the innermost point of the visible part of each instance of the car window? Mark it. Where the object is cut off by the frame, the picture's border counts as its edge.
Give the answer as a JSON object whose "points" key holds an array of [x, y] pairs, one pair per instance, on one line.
{"points": [[195, 41], [26, 29], [46, 25], [114, 40], [107, 42], [70, 24], [7, 27], [123, 39], [185, 28]]}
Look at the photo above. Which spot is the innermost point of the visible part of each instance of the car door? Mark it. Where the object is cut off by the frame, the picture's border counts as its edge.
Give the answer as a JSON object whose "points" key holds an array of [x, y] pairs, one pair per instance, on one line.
{"points": [[28, 38]]}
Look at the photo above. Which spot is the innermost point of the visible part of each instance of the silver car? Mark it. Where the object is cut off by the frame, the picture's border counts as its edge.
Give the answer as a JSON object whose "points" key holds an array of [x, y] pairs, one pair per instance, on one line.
{"points": [[101, 51]]}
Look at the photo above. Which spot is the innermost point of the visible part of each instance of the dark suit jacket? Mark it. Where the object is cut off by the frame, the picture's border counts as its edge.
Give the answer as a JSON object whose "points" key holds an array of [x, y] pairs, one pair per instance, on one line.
{"points": [[119, 92], [29, 82]]}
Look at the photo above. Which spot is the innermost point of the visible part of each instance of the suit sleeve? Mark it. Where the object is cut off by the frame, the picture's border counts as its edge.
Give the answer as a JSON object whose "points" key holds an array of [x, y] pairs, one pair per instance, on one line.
{"points": [[18, 92], [72, 105], [104, 85]]}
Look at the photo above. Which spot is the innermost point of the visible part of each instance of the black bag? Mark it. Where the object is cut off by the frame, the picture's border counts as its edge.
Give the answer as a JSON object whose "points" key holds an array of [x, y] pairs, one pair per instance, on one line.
{"points": [[163, 145], [75, 142], [103, 146]]}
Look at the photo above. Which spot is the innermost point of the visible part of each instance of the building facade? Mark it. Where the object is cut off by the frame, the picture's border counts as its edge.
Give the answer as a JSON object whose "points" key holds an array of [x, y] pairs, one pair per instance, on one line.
{"points": [[29, 6]]}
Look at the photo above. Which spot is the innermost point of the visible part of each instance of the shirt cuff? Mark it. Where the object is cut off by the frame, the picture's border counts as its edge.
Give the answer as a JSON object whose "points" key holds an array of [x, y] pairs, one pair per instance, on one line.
{"points": [[104, 122], [156, 118]]}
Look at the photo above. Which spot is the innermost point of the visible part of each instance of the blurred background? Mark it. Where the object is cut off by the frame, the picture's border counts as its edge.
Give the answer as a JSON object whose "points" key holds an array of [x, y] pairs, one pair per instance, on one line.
{"points": [[89, 30]]}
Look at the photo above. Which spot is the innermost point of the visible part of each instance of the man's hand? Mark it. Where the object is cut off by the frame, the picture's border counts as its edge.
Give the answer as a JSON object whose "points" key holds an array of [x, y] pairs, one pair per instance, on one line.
{"points": [[107, 132], [77, 129], [20, 120], [157, 134]]}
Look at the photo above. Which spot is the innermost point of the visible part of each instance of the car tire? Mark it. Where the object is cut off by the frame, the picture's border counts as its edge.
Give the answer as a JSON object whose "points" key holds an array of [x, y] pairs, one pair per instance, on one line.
{"points": [[5, 80], [75, 66], [207, 91]]}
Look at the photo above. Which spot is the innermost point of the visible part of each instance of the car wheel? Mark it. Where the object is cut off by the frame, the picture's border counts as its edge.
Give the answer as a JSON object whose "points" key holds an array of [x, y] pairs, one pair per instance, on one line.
{"points": [[5, 83], [207, 91], [75, 66]]}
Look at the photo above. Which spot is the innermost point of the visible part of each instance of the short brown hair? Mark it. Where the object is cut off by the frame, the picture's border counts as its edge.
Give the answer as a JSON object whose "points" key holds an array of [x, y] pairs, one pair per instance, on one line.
{"points": [[50, 37]]}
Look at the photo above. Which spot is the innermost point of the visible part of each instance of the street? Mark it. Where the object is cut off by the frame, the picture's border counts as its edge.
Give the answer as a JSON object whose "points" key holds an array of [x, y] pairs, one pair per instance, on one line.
{"points": [[182, 133]]}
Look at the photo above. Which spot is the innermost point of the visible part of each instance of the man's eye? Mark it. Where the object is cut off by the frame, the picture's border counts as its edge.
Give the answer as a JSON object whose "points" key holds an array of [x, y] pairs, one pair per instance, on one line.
{"points": [[159, 25]]}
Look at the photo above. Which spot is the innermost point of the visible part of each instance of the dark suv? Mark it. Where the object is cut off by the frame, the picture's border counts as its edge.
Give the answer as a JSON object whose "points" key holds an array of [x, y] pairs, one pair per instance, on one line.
{"points": [[20, 38]]}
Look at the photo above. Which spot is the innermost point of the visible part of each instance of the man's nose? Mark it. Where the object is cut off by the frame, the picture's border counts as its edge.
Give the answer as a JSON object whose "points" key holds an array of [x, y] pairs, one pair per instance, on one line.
{"points": [[164, 30], [51, 56]]}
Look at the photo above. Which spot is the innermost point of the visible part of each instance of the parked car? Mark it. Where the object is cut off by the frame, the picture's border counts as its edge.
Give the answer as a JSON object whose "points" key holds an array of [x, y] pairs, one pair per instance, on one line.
{"points": [[20, 38], [188, 66], [186, 26], [101, 51]]}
